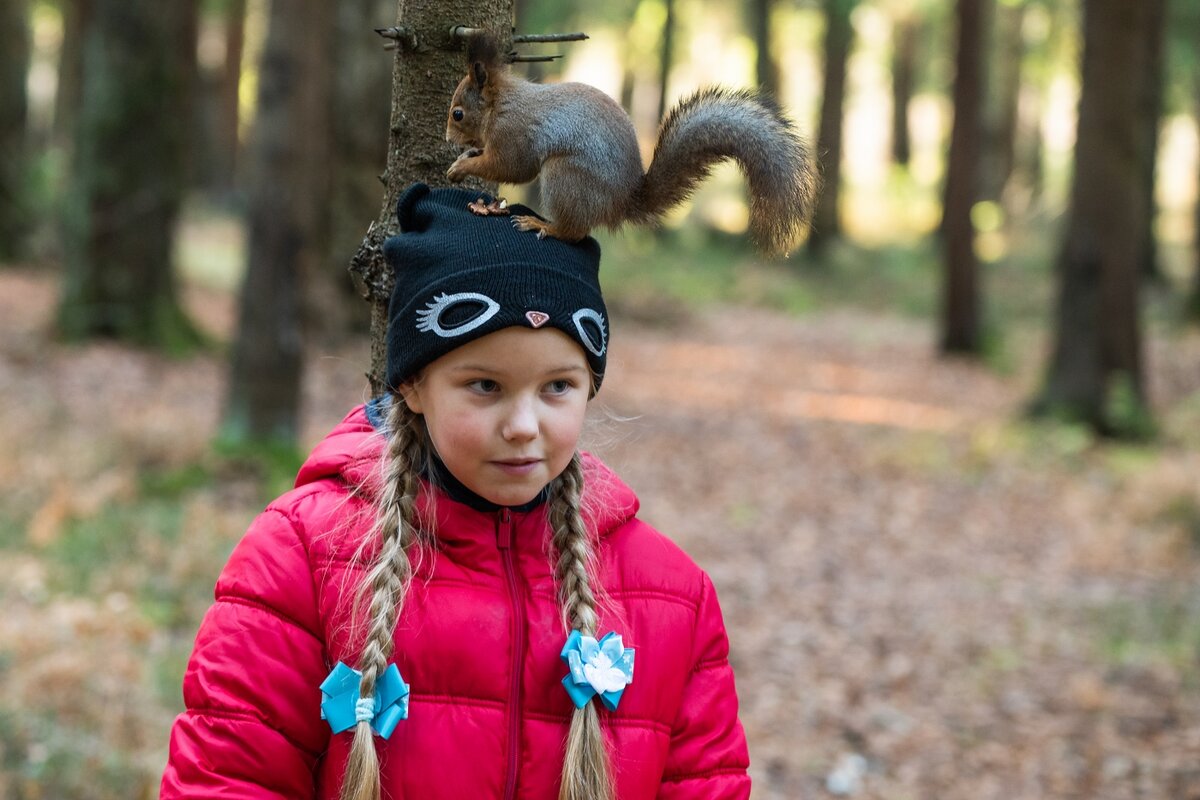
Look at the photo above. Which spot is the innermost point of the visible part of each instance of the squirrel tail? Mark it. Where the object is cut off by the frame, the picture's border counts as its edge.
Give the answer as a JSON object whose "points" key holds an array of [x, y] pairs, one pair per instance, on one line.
{"points": [[715, 124]]}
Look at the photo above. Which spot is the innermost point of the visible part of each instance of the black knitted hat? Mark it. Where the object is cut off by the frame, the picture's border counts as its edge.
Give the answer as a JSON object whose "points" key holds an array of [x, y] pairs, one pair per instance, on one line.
{"points": [[460, 276]]}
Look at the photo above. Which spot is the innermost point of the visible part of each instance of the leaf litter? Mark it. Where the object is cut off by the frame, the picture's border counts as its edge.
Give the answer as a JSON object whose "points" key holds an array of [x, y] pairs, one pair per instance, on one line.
{"points": [[925, 596]]}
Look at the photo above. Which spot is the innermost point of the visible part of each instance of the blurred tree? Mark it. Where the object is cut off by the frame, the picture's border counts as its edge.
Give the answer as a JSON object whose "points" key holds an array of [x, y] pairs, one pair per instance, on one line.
{"points": [[1095, 373], [905, 29], [14, 150], [666, 57], [1150, 111], [1003, 88], [1193, 300], [912, 22], [288, 187], [766, 68], [839, 37], [362, 76], [219, 87], [68, 97], [960, 331], [1182, 94], [1027, 136], [129, 173]]}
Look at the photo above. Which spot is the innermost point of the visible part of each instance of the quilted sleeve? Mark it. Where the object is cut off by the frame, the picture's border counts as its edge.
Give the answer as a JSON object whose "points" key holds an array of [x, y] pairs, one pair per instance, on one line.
{"points": [[708, 757], [252, 729]]}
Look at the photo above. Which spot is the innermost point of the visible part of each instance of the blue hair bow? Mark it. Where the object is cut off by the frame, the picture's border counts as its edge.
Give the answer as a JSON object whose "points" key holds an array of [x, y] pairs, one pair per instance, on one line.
{"points": [[602, 668], [342, 707]]}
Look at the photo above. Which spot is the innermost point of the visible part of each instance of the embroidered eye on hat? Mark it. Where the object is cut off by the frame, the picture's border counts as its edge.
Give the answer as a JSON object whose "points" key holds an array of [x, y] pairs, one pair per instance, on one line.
{"points": [[460, 276]]}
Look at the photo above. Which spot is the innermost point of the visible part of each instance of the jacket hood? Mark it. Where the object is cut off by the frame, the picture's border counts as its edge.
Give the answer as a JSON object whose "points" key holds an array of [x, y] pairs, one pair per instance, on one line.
{"points": [[350, 454]]}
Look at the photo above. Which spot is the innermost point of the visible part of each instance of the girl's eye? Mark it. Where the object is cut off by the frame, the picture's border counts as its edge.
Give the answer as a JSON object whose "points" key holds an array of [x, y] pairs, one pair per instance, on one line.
{"points": [[558, 387], [483, 386]]}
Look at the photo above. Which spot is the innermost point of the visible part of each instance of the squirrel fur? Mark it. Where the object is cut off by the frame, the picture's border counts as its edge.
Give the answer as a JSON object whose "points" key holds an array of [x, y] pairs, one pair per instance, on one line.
{"points": [[585, 149]]}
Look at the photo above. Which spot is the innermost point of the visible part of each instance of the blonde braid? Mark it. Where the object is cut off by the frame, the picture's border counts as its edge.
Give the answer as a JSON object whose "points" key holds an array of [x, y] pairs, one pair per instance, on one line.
{"points": [[387, 582], [586, 772]]}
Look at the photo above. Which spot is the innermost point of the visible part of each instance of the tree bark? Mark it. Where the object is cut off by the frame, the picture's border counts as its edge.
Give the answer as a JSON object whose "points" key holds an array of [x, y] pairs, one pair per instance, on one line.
{"points": [[362, 75], [214, 170], [766, 69], [666, 57], [1095, 372], [960, 287], [904, 63], [77, 16], [839, 36], [1150, 115], [423, 81], [288, 190], [129, 172], [1193, 301], [1000, 116], [14, 150], [1029, 159]]}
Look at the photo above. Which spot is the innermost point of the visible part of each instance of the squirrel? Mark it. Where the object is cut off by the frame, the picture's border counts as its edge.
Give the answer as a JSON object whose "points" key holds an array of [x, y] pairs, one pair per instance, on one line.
{"points": [[585, 149]]}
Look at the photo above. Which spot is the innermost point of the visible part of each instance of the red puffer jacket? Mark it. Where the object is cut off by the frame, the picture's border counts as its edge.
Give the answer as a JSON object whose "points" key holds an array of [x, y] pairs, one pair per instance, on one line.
{"points": [[478, 641]]}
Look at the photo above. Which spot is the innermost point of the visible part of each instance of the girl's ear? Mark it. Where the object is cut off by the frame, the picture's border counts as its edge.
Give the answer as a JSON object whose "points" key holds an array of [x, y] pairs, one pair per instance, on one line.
{"points": [[412, 397]]}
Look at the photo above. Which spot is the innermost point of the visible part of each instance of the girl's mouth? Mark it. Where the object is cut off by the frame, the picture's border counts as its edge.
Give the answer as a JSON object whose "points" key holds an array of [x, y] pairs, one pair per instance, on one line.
{"points": [[517, 466]]}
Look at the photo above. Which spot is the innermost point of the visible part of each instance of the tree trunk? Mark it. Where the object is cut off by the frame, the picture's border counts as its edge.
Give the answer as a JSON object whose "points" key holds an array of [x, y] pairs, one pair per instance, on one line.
{"points": [[1095, 372], [362, 75], [904, 65], [1150, 115], [666, 57], [1027, 148], [77, 17], [217, 153], [235, 49], [1028, 166], [129, 172], [1193, 301], [1000, 116], [766, 69], [423, 81], [839, 36], [14, 150], [288, 190], [960, 288]]}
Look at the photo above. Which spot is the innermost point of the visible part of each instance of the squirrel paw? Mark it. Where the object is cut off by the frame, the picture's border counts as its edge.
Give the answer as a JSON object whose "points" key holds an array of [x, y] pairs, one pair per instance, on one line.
{"points": [[498, 207], [527, 223], [459, 169]]}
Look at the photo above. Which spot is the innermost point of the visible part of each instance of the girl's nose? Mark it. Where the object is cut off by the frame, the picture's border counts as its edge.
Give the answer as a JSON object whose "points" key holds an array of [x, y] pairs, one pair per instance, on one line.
{"points": [[521, 424]]}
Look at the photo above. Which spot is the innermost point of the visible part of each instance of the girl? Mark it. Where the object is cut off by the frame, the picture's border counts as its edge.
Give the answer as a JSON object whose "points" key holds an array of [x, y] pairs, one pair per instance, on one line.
{"points": [[452, 601]]}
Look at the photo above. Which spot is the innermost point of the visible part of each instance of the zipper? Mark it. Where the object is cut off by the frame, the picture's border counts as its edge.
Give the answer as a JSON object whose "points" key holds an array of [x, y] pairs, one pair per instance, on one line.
{"points": [[505, 541]]}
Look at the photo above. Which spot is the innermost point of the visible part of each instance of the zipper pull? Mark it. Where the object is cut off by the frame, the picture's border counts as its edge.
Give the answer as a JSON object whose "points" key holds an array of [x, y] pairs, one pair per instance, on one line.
{"points": [[504, 528]]}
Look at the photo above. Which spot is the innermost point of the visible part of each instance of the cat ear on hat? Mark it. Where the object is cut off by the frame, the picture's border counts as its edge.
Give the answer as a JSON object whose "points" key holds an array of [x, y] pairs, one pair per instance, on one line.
{"points": [[406, 208], [411, 220]]}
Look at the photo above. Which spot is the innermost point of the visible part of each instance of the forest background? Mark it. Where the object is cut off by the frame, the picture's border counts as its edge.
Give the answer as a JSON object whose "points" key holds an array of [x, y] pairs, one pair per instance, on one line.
{"points": [[943, 462]]}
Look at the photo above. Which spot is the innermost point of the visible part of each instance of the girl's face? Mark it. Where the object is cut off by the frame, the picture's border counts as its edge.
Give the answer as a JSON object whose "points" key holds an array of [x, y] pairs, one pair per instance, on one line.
{"points": [[505, 411]]}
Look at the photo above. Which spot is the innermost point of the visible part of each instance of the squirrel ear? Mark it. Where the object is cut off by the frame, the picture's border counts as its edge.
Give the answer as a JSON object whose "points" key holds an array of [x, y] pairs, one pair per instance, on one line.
{"points": [[479, 73]]}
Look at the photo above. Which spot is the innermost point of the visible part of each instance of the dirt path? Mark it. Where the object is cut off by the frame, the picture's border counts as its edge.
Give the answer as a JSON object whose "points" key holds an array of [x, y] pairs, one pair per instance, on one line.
{"points": [[924, 600]]}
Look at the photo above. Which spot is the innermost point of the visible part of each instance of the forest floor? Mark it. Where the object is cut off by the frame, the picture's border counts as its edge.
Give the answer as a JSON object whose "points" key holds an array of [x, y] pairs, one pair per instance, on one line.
{"points": [[927, 597]]}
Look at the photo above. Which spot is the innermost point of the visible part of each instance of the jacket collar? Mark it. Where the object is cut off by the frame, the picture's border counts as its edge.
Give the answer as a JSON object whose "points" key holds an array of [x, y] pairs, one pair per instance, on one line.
{"points": [[351, 454]]}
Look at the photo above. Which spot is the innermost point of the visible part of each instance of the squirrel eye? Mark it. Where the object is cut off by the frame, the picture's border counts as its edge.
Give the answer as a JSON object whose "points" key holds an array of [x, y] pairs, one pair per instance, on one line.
{"points": [[458, 115]]}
